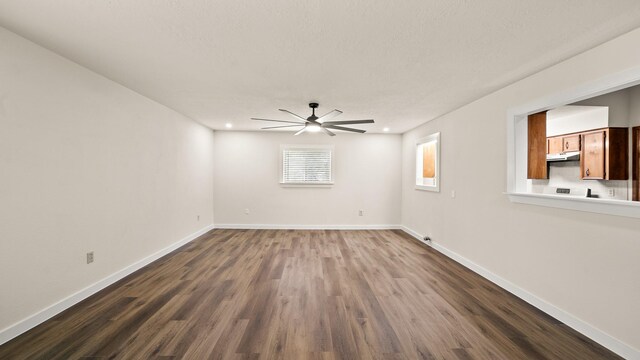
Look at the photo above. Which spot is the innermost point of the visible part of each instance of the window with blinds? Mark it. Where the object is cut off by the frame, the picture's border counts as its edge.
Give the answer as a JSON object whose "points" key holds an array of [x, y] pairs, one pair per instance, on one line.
{"points": [[306, 165]]}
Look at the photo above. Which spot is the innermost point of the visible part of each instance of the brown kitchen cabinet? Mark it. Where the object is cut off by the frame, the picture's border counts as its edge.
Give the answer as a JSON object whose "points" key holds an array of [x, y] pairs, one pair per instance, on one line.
{"points": [[554, 145], [571, 143], [537, 147], [563, 144], [604, 154]]}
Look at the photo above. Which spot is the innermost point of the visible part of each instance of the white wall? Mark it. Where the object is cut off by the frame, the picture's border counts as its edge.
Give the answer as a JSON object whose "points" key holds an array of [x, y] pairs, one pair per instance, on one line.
{"points": [[583, 263], [575, 118], [367, 176], [87, 165], [618, 103]]}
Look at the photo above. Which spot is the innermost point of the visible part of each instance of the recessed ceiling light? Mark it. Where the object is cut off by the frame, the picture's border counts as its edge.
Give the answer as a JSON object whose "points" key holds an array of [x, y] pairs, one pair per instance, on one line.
{"points": [[385, 129], [228, 125]]}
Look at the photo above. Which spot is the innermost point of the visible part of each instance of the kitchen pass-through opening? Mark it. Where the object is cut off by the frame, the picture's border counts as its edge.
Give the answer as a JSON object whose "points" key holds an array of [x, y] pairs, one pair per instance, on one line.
{"points": [[578, 149]]}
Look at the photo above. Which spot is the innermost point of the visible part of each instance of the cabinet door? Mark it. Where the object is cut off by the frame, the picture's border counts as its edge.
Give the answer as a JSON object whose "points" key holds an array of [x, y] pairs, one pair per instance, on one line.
{"points": [[537, 146], [571, 143], [592, 161], [616, 148], [555, 145]]}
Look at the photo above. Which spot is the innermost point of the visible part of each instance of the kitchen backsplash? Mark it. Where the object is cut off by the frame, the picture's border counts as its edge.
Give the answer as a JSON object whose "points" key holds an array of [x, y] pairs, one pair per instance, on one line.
{"points": [[567, 175]]}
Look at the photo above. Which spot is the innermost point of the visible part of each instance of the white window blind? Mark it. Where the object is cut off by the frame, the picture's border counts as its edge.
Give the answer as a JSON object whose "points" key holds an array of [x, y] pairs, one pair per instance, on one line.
{"points": [[306, 165]]}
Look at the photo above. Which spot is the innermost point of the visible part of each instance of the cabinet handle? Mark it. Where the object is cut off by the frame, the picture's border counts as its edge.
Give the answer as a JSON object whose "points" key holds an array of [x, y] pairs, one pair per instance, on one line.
{"points": [[587, 172], [566, 145]]}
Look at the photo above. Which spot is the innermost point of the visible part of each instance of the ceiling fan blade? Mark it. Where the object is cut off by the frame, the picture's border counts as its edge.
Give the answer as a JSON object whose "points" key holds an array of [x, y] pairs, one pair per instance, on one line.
{"points": [[294, 115], [301, 131], [330, 115], [335, 127], [282, 121], [284, 126], [326, 131], [347, 122]]}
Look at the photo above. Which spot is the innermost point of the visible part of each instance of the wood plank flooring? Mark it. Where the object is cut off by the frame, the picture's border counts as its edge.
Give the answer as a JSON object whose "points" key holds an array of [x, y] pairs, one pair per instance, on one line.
{"points": [[289, 294]]}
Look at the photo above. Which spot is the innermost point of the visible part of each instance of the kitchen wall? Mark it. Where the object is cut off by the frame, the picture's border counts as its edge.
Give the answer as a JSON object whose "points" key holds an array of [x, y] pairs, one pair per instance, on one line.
{"points": [[87, 165], [584, 264], [566, 174], [634, 106], [367, 177], [618, 103]]}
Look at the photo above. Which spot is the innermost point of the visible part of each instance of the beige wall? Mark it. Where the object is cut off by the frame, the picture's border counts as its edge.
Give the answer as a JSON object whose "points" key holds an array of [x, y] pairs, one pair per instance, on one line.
{"points": [[583, 263], [367, 176], [87, 165]]}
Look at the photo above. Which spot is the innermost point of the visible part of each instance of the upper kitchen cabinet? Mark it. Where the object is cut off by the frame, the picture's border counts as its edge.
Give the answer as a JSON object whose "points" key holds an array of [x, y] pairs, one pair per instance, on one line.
{"points": [[604, 154], [571, 143], [566, 123], [593, 155], [563, 144], [554, 145]]}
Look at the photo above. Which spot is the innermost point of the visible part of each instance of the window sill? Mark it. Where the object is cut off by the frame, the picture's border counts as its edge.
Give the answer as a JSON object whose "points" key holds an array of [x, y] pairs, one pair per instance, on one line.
{"points": [[595, 205], [427, 188], [308, 185]]}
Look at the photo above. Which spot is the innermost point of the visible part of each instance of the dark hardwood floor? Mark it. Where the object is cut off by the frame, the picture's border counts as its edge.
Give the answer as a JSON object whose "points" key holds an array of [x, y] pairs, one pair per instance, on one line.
{"points": [[266, 294]]}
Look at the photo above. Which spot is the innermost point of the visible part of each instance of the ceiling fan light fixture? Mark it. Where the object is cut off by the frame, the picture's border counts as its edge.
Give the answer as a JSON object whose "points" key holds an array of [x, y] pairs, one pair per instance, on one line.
{"points": [[313, 127]]}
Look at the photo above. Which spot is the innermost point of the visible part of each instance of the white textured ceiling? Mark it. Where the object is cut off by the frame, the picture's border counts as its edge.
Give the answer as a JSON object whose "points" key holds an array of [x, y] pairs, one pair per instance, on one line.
{"points": [[400, 62]]}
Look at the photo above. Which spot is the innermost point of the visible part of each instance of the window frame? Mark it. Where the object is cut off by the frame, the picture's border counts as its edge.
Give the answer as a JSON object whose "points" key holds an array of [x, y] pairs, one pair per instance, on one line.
{"points": [[435, 137], [329, 183]]}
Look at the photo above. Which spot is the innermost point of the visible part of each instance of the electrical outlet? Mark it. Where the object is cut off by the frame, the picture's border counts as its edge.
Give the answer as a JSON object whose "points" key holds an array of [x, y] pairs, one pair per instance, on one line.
{"points": [[361, 213], [89, 257], [246, 211], [453, 194], [612, 192]]}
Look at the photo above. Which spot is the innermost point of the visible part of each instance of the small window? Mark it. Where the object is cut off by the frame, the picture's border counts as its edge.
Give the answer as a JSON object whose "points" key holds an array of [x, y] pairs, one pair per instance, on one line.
{"points": [[307, 165], [428, 163]]}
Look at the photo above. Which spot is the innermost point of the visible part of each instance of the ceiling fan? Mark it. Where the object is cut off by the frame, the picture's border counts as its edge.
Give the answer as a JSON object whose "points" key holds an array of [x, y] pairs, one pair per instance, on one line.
{"points": [[317, 124]]}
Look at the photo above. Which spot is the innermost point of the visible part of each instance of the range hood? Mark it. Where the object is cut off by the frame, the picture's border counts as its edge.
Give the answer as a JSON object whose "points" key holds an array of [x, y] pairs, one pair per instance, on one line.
{"points": [[568, 156]]}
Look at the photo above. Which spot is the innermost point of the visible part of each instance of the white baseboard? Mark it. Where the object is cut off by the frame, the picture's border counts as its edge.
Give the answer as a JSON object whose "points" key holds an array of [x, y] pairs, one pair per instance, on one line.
{"points": [[580, 326], [306, 227], [49, 312]]}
